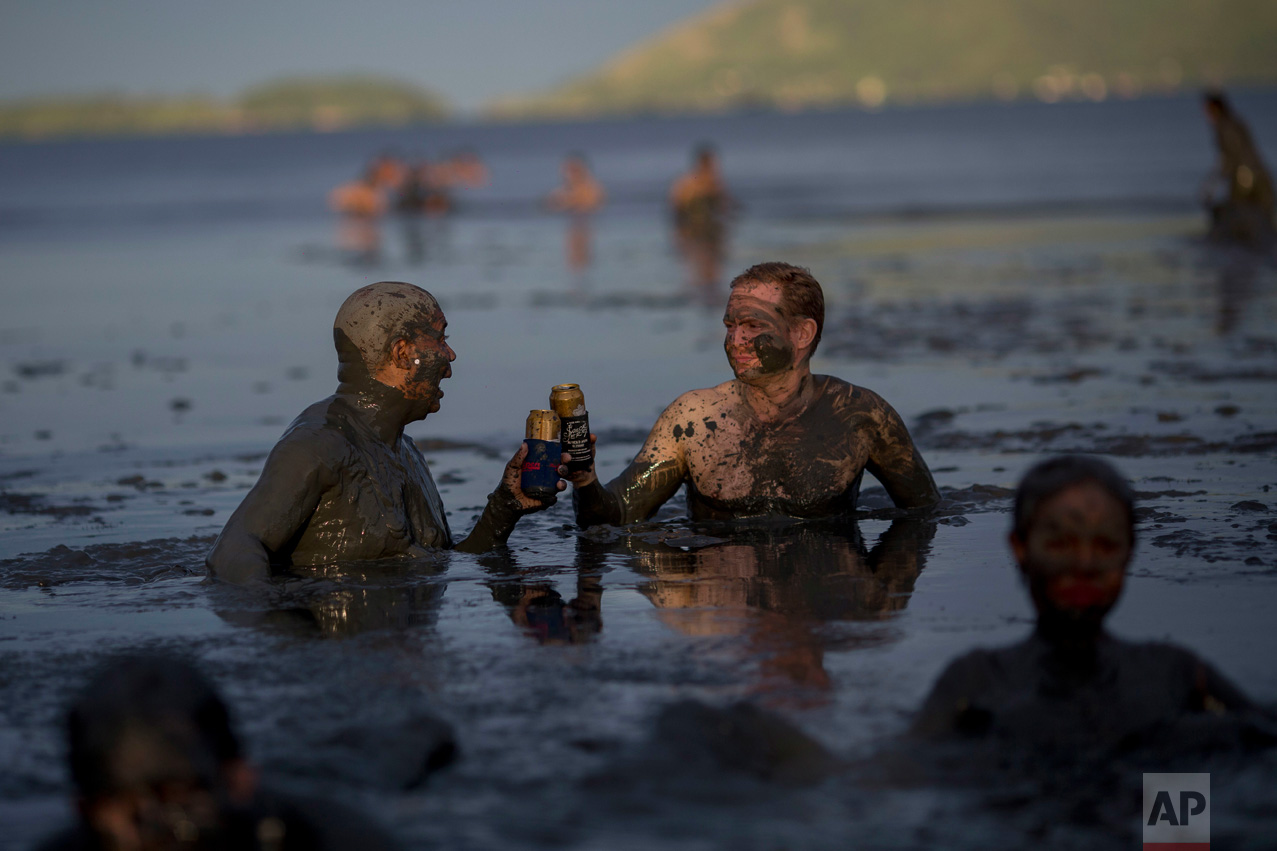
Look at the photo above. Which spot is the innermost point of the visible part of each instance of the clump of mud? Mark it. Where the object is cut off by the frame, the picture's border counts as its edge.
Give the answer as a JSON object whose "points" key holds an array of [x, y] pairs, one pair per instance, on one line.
{"points": [[127, 564]]}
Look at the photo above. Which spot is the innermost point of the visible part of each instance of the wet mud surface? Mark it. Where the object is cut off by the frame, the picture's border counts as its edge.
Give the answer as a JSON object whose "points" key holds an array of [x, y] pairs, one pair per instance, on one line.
{"points": [[670, 684]]}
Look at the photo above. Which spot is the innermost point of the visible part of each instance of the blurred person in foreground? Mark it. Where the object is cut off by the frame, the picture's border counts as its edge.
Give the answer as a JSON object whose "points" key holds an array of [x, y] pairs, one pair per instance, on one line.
{"points": [[1244, 213], [1072, 684], [579, 195], [345, 483], [776, 440], [157, 765], [700, 205]]}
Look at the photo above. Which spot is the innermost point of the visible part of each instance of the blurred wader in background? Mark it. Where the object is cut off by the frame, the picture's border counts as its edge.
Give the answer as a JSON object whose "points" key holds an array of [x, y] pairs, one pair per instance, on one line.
{"points": [[580, 195], [700, 205], [360, 204], [1245, 213]]}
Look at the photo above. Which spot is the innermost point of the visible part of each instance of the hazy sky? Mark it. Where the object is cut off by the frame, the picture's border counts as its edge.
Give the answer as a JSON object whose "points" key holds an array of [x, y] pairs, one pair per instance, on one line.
{"points": [[468, 50]]}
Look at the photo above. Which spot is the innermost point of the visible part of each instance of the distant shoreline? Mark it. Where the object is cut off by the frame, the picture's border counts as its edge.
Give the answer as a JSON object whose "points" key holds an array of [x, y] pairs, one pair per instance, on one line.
{"points": [[453, 119], [322, 104]]}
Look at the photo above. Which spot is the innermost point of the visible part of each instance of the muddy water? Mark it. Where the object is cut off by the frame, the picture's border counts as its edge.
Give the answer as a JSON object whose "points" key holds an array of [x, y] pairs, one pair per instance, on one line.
{"points": [[145, 380]]}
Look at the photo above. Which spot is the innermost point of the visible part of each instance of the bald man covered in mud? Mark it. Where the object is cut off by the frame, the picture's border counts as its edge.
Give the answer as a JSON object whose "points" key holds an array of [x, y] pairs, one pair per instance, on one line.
{"points": [[774, 441], [345, 483]]}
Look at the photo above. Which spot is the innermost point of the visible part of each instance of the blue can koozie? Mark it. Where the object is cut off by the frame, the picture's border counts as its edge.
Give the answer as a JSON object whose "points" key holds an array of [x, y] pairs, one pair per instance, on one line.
{"points": [[541, 468]]}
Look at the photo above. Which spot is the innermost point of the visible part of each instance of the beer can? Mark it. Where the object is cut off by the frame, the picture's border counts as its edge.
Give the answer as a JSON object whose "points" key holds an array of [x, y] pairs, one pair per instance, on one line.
{"points": [[542, 425], [568, 402], [540, 472]]}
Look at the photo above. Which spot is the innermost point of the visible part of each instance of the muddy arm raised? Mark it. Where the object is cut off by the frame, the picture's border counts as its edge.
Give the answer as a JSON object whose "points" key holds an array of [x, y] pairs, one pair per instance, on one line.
{"points": [[505, 506]]}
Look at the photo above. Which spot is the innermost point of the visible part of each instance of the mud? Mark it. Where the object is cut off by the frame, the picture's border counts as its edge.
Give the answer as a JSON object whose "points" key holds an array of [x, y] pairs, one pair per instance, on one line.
{"points": [[574, 668], [773, 353], [124, 564], [27, 503]]}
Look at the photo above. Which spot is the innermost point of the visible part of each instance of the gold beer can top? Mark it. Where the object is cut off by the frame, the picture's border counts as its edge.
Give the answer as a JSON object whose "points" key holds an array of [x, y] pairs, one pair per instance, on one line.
{"points": [[542, 425], [567, 400]]}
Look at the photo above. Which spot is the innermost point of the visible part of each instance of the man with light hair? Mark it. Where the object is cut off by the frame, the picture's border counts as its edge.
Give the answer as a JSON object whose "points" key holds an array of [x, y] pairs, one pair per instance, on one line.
{"points": [[776, 441], [345, 483]]}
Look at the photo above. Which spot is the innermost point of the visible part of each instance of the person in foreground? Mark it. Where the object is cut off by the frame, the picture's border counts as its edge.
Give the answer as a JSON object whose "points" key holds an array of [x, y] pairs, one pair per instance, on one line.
{"points": [[1070, 682], [345, 483], [156, 766], [775, 440]]}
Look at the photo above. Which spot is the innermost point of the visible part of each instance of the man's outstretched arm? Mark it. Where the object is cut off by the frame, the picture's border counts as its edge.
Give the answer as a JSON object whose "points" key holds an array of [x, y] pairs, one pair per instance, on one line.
{"points": [[284, 498], [895, 461], [647, 483], [505, 506]]}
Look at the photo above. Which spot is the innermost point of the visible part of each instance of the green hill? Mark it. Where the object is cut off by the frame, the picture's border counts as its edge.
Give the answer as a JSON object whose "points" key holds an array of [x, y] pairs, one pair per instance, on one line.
{"points": [[792, 54], [331, 103]]}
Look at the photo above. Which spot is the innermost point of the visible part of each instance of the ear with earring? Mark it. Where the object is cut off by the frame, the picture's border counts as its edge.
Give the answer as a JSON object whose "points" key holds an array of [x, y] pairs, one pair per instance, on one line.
{"points": [[417, 361]]}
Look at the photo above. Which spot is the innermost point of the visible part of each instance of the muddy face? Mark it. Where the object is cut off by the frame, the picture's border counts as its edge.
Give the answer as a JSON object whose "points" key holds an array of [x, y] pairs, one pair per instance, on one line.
{"points": [[758, 337], [1075, 553], [433, 359]]}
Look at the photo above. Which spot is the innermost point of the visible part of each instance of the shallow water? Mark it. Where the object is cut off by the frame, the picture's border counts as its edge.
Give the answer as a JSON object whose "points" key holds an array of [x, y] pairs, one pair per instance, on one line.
{"points": [[149, 365]]}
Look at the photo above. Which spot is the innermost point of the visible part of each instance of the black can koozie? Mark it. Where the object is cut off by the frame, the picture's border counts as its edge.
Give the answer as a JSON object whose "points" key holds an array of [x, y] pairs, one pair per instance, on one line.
{"points": [[575, 435]]}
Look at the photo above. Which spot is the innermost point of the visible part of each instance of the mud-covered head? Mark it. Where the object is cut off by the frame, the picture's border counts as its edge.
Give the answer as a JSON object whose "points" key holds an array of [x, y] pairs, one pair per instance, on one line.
{"points": [[154, 757], [394, 333], [1073, 535], [774, 319]]}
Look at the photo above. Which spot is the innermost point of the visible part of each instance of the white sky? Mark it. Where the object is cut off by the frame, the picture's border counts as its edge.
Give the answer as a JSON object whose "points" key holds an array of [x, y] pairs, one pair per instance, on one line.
{"points": [[468, 50]]}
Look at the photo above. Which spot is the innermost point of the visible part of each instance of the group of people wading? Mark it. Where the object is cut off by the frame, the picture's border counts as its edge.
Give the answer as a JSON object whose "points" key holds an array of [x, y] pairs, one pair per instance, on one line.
{"points": [[152, 749], [775, 441], [699, 204], [151, 739]]}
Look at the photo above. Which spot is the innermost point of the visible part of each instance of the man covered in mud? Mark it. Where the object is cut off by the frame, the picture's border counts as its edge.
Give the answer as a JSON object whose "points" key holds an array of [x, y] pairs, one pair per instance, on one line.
{"points": [[1071, 684], [345, 483], [157, 765], [775, 440]]}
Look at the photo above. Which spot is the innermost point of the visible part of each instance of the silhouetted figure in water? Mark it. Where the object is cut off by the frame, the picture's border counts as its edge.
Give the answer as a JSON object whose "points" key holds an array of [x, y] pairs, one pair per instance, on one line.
{"points": [[424, 190], [700, 205], [157, 766], [1245, 212], [1071, 685], [774, 441], [345, 483]]}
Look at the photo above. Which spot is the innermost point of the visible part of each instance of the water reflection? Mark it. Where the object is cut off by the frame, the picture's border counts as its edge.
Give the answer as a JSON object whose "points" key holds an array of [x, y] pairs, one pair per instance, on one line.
{"points": [[778, 589], [1235, 289], [359, 240], [702, 248], [341, 601], [536, 606], [425, 238]]}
